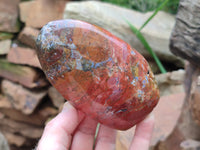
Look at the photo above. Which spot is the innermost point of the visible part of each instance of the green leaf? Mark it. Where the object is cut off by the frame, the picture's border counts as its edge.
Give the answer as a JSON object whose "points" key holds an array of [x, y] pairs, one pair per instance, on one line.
{"points": [[155, 12], [147, 46]]}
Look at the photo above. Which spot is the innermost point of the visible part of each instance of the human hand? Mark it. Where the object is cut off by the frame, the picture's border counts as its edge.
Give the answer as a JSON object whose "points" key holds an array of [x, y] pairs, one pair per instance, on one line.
{"points": [[71, 129]]}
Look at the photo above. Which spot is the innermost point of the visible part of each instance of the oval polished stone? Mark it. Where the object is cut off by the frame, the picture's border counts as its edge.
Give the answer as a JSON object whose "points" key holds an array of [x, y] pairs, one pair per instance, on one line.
{"points": [[97, 72]]}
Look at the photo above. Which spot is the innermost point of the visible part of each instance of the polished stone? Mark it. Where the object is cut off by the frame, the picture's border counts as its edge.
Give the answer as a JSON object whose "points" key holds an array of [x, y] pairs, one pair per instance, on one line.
{"points": [[97, 72]]}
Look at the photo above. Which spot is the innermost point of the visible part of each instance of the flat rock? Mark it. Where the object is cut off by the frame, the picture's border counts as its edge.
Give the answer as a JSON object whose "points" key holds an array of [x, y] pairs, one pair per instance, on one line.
{"points": [[112, 18], [28, 36], [21, 98], [38, 13], [5, 46], [24, 8], [56, 98], [186, 34], [26, 76], [25, 56], [26, 130], [8, 15], [168, 110], [38, 118], [15, 139]]}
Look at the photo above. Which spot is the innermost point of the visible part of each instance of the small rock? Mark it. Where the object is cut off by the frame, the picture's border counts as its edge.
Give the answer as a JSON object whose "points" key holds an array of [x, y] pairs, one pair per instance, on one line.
{"points": [[57, 99], [171, 82], [8, 16], [112, 18], [26, 76], [177, 77], [21, 98], [190, 145], [38, 118], [28, 36], [3, 143], [5, 46], [37, 13], [25, 56]]}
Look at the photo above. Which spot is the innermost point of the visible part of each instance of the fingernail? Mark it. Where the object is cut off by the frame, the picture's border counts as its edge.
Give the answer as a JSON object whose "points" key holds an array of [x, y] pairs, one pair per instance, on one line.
{"points": [[67, 106], [150, 117]]}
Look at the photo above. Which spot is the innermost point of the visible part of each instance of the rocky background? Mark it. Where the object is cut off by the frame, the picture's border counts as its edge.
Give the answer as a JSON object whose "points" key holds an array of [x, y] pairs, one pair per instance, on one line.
{"points": [[28, 101]]}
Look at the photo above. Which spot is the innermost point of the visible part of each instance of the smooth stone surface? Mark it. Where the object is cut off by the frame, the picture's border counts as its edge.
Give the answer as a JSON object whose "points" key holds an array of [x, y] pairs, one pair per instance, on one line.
{"points": [[112, 18], [97, 72], [169, 107]]}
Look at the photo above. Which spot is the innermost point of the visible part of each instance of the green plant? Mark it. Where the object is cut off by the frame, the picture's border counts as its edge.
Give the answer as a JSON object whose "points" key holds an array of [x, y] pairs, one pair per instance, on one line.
{"points": [[124, 3], [5, 35], [144, 41], [147, 46], [172, 6], [153, 15], [6, 66], [146, 5]]}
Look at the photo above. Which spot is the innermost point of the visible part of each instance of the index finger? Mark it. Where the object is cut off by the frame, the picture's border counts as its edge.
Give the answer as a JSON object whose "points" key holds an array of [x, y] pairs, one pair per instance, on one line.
{"points": [[58, 132], [143, 132]]}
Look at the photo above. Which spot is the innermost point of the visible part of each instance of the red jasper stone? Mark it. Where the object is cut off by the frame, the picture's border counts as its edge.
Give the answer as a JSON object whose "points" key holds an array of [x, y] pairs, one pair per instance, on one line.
{"points": [[97, 72]]}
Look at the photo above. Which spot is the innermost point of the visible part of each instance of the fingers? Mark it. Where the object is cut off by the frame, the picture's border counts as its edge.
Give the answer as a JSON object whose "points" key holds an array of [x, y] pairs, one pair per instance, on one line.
{"points": [[143, 132], [84, 135], [105, 138], [58, 132]]}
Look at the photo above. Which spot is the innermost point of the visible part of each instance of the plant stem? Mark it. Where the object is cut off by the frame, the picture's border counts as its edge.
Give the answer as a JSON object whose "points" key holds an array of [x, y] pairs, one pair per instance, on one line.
{"points": [[147, 46], [96, 133], [155, 12]]}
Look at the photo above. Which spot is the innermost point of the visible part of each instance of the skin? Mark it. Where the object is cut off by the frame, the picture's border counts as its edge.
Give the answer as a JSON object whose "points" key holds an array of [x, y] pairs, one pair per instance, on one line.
{"points": [[70, 129]]}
